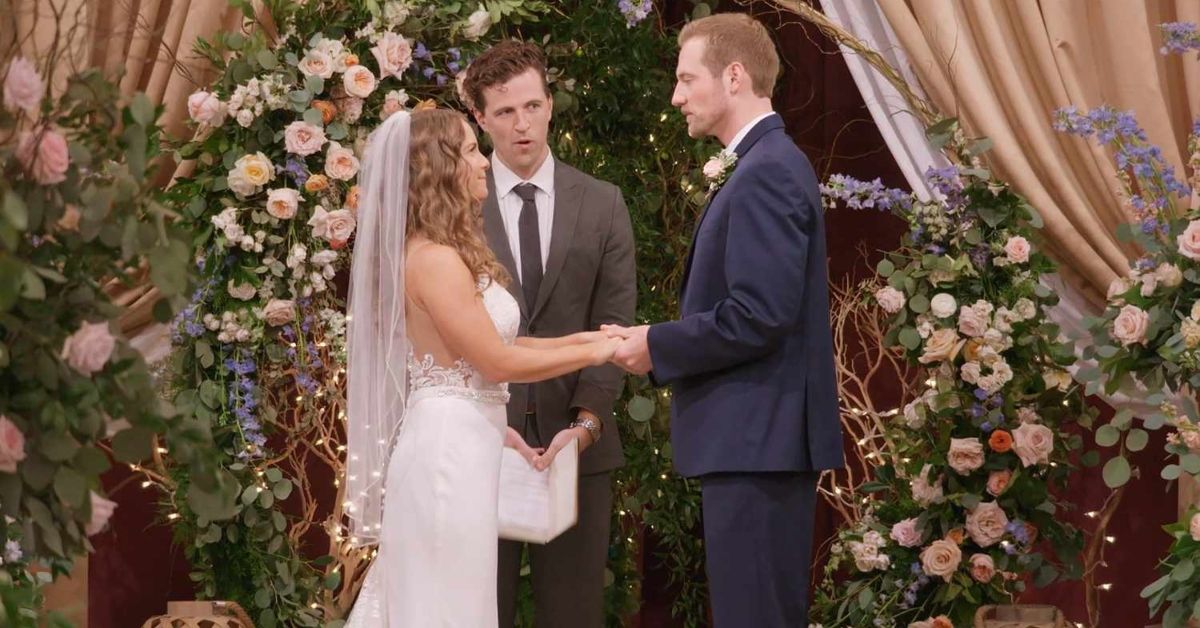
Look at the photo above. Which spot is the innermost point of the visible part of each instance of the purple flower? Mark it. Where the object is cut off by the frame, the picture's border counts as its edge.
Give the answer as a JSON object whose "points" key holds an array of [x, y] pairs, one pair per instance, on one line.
{"points": [[986, 427], [1179, 37], [428, 72], [858, 194], [635, 11], [421, 52], [981, 394], [455, 53]]}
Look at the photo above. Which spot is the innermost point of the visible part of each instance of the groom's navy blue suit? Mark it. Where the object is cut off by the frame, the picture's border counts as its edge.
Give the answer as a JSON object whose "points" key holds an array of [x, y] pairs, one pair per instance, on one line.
{"points": [[750, 364]]}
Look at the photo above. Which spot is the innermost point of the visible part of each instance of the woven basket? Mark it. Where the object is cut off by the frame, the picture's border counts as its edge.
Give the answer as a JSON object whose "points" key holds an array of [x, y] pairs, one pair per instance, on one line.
{"points": [[201, 615], [1020, 616]]}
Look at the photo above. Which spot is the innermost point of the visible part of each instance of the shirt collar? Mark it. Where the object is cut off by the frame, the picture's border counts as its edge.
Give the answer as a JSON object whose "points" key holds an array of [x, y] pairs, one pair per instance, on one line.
{"points": [[506, 179], [741, 135]]}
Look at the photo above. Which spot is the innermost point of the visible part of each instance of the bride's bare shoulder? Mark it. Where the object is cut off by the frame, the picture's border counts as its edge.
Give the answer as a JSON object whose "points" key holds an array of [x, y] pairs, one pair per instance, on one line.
{"points": [[438, 262]]}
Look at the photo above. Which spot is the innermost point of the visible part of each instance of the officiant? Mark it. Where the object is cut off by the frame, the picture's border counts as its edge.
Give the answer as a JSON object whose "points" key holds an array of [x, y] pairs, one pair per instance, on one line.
{"points": [[566, 239]]}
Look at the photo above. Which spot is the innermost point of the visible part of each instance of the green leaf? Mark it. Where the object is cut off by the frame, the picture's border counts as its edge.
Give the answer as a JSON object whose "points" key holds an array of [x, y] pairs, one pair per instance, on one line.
{"points": [[641, 409], [1137, 439], [133, 445], [15, 211], [70, 487], [333, 580], [273, 474], [282, 490], [217, 504], [91, 461], [11, 272], [1116, 472], [32, 287], [58, 446], [266, 59], [1183, 571], [702, 10], [910, 338], [313, 117], [1170, 472], [1107, 436], [142, 110], [885, 268], [919, 303], [1190, 463]]}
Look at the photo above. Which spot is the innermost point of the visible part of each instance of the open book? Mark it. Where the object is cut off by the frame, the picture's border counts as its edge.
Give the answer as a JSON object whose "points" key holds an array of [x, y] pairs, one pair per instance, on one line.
{"points": [[537, 506]]}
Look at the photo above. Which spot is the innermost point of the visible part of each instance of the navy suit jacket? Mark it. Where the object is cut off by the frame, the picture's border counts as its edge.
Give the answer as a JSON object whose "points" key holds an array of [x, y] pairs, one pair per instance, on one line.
{"points": [[750, 362]]}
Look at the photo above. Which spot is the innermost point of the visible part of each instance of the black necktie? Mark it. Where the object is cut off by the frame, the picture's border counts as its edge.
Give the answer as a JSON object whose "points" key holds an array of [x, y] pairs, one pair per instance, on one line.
{"points": [[531, 244]]}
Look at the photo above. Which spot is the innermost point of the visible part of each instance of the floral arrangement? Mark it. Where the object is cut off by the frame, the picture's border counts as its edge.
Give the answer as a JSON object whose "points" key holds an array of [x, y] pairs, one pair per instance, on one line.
{"points": [[278, 140], [79, 218], [961, 511], [1148, 337]]}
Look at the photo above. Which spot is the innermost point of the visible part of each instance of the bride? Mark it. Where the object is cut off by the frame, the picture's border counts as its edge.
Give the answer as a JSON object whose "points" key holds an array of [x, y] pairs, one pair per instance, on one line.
{"points": [[432, 337]]}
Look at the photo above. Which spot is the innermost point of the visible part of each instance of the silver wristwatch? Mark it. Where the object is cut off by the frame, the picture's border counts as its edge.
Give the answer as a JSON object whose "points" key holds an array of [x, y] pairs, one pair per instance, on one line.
{"points": [[593, 427]]}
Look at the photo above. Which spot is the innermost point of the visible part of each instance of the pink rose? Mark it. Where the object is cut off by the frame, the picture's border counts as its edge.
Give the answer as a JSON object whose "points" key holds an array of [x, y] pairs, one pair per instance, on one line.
{"points": [[44, 156], [23, 87], [394, 55], [924, 490], [1026, 414], [972, 322], [1033, 443], [713, 169], [302, 138], [334, 227], [941, 559], [986, 524], [359, 81], [1191, 439], [340, 163], [983, 568], [1017, 250], [206, 108], [351, 108], [1189, 241], [1130, 325], [317, 63], [102, 511], [942, 345], [390, 106], [89, 349], [1194, 527], [906, 533], [966, 455], [279, 312], [282, 203], [998, 482], [1118, 287], [12, 445]]}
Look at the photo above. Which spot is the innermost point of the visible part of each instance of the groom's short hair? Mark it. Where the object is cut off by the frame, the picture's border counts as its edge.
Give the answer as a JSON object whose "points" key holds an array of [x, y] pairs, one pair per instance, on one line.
{"points": [[731, 37], [498, 65]]}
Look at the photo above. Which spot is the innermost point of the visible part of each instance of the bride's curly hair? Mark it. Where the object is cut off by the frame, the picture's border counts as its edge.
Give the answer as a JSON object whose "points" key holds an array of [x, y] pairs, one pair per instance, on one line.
{"points": [[441, 207]]}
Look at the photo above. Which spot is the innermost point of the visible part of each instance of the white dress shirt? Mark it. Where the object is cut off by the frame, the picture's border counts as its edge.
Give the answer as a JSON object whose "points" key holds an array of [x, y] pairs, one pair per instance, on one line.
{"points": [[741, 135], [510, 204]]}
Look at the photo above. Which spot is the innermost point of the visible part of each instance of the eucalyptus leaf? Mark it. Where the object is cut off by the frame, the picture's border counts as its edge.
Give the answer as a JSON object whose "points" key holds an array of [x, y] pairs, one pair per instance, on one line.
{"points": [[1116, 472]]}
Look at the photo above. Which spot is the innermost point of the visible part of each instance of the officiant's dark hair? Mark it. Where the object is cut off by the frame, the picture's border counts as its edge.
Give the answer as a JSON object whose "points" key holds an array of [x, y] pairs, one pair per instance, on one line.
{"points": [[498, 65], [731, 37]]}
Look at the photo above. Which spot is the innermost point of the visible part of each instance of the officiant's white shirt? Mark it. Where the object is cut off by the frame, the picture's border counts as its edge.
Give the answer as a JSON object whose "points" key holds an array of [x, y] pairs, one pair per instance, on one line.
{"points": [[510, 204], [741, 135]]}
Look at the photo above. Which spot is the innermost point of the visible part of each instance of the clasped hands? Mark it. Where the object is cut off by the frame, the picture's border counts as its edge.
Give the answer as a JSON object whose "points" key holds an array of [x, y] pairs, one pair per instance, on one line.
{"points": [[633, 352]]}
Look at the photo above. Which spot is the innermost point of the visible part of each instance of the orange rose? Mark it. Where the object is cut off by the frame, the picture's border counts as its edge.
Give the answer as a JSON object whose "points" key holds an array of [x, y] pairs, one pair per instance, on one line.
{"points": [[350, 59], [352, 198], [971, 350], [941, 621], [1000, 441], [328, 110], [316, 183], [425, 104], [956, 536]]}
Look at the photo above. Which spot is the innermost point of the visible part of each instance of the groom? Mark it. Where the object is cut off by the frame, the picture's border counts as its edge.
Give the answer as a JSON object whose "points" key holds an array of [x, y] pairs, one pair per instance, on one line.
{"points": [[750, 362]]}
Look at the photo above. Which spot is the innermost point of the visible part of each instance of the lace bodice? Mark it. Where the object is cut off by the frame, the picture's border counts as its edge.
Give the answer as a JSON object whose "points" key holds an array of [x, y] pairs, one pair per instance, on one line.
{"points": [[425, 373]]}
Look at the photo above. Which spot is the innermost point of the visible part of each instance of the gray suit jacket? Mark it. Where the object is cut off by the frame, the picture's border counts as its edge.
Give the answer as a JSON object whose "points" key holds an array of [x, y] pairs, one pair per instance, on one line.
{"points": [[589, 280]]}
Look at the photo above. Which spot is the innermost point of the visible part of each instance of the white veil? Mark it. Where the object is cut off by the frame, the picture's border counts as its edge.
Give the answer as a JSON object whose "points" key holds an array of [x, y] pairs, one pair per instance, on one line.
{"points": [[376, 337]]}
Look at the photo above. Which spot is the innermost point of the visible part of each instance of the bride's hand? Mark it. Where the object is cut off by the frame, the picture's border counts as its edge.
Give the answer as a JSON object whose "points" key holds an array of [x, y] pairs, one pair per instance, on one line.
{"points": [[585, 337], [604, 350], [513, 440]]}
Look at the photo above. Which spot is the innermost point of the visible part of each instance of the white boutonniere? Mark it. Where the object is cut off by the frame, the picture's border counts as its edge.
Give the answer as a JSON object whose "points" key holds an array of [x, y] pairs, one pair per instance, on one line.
{"points": [[718, 168]]}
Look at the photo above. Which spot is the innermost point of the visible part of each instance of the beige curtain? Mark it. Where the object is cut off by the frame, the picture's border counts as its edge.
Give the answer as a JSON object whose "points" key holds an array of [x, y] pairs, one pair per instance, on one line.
{"points": [[1004, 67]]}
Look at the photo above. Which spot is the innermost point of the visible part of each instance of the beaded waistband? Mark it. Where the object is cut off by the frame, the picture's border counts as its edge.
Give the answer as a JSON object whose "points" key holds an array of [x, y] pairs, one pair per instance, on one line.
{"points": [[491, 397]]}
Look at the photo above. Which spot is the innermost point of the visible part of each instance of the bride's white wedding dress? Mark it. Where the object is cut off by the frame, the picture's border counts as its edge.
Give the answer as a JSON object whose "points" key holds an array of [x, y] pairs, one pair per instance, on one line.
{"points": [[437, 548]]}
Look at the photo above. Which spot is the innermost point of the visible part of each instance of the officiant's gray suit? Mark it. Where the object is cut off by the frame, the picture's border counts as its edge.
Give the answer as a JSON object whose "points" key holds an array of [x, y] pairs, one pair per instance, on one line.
{"points": [[588, 280]]}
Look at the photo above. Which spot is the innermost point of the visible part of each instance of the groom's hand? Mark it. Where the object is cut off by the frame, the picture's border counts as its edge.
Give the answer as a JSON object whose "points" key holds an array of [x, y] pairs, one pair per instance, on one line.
{"points": [[634, 353]]}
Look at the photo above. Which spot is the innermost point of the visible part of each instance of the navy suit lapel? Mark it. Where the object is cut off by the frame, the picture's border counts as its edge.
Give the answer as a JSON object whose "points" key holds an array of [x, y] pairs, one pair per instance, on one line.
{"points": [[764, 126]]}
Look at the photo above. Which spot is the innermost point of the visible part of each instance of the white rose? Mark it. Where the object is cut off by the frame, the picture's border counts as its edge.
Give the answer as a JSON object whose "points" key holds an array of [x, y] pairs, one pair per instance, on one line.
{"points": [[250, 173], [279, 312], [713, 167], [1196, 311], [1025, 308], [340, 163], [1189, 241], [890, 299], [393, 53], [206, 108], [89, 349], [282, 203], [1118, 287], [477, 24], [1017, 250], [986, 523], [245, 118], [1169, 275], [1130, 325], [317, 63], [243, 292], [1033, 443], [966, 455], [924, 491], [943, 305], [972, 322], [359, 81], [1055, 378], [983, 568], [906, 533], [914, 414], [970, 372]]}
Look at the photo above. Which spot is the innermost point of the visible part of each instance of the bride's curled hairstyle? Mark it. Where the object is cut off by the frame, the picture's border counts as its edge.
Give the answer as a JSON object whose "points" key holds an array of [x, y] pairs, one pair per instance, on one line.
{"points": [[440, 204]]}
